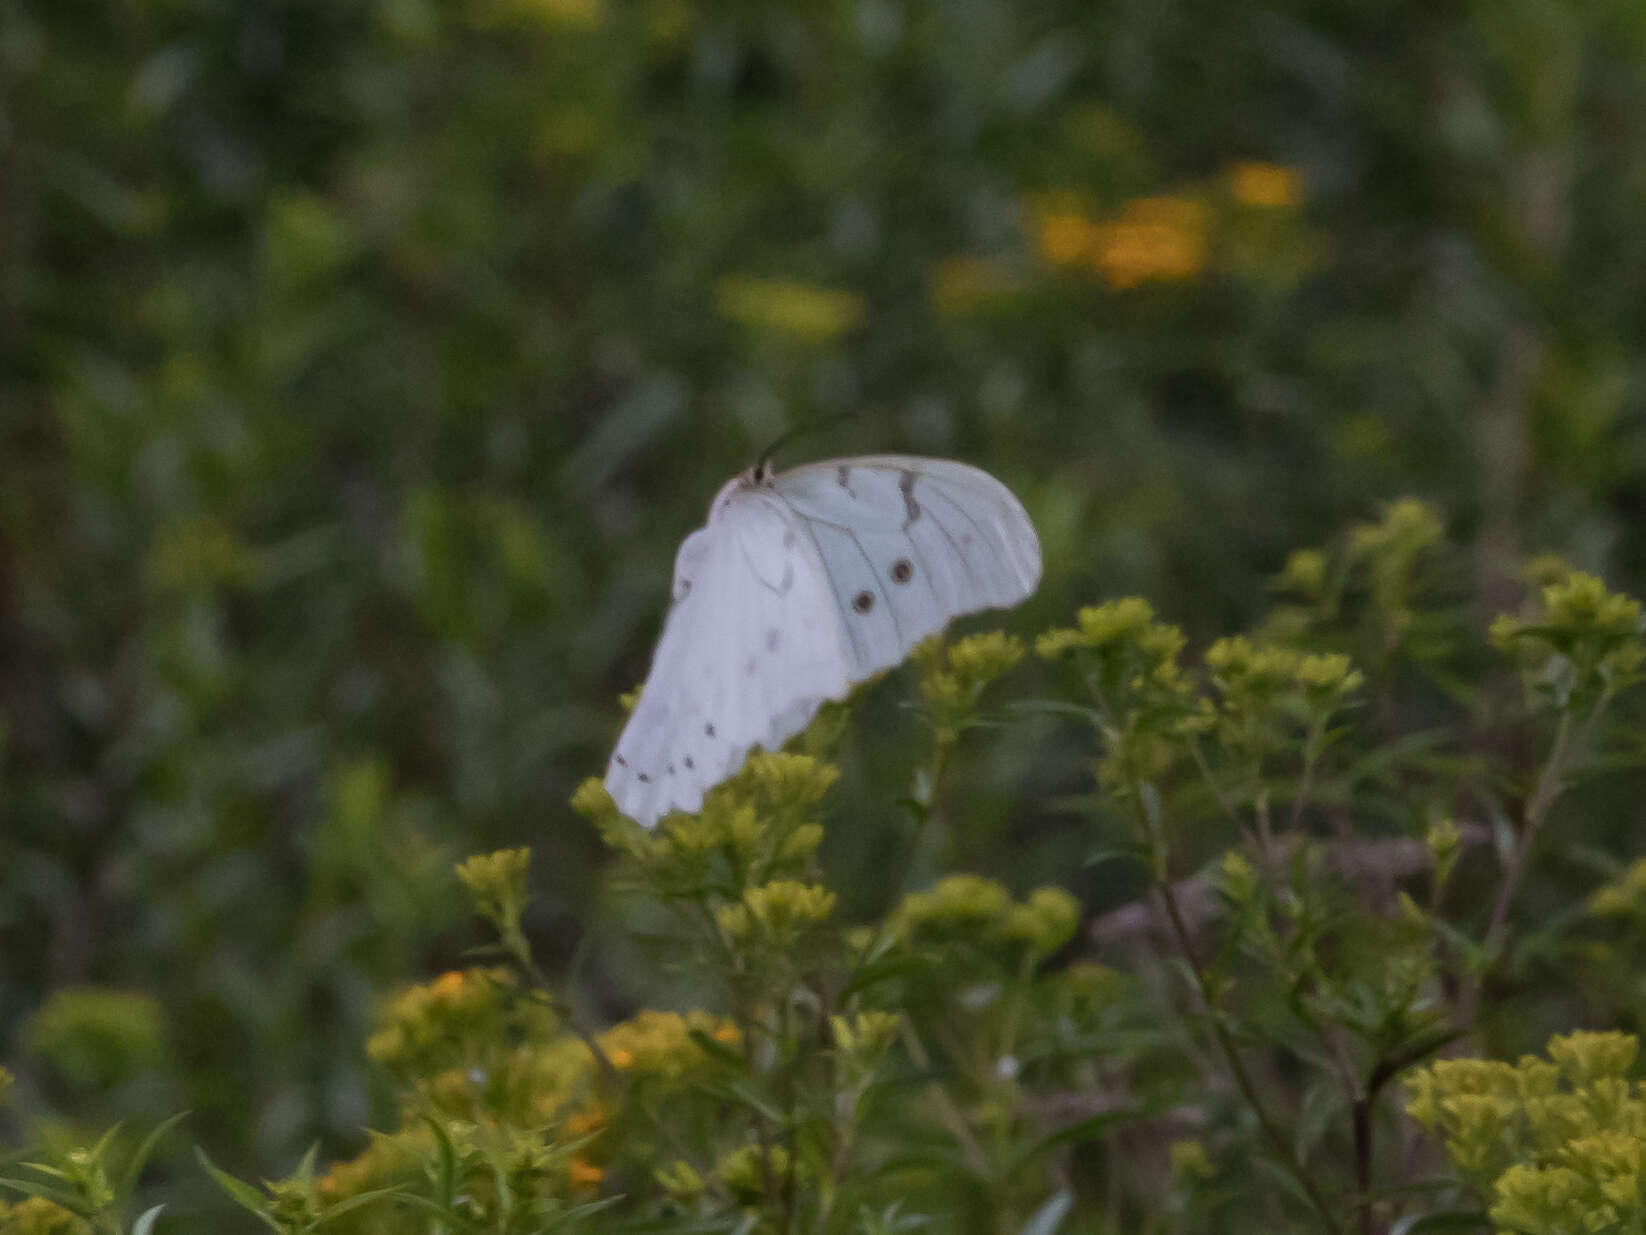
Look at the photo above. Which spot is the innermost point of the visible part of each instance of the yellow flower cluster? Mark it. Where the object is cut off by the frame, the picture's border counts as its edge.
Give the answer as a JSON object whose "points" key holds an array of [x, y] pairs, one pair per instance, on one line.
{"points": [[1129, 621], [1304, 573], [1408, 526], [953, 676], [1559, 1143], [662, 1044], [428, 1027], [386, 1158], [866, 1035], [1190, 1161], [38, 1216], [784, 784], [1252, 675], [1267, 691], [745, 1168], [983, 911], [1145, 702], [1583, 640], [548, 1108], [497, 884], [778, 912], [760, 815], [1581, 604]]}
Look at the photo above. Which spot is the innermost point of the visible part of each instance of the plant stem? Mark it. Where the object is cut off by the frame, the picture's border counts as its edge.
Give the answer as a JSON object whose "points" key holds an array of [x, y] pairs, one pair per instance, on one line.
{"points": [[563, 1009], [1551, 781], [1311, 760], [926, 807], [1225, 1040], [1362, 1120]]}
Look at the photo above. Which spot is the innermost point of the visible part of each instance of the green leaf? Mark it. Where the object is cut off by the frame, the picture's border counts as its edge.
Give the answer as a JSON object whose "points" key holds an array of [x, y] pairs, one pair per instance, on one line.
{"points": [[445, 1179], [867, 976], [355, 1202], [1082, 1130], [1046, 1219], [242, 1193], [717, 1050], [1115, 853], [445, 1213], [305, 1168], [1416, 1048], [1051, 707], [127, 1181], [50, 1192], [1322, 1102], [1448, 1220]]}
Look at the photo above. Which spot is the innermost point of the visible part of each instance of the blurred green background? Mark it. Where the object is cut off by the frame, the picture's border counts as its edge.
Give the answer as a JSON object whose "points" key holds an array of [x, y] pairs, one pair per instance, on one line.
{"points": [[363, 362]]}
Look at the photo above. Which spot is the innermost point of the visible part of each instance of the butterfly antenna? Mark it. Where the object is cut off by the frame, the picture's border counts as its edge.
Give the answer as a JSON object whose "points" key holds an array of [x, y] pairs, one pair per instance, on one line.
{"points": [[764, 462]]}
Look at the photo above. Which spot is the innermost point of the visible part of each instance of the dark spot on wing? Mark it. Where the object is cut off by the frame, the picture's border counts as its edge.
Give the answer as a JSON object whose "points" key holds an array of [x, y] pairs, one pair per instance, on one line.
{"points": [[708, 731], [863, 601], [644, 779], [774, 637], [902, 570], [843, 476], [689, 764], [620, 761], [911, 508]]}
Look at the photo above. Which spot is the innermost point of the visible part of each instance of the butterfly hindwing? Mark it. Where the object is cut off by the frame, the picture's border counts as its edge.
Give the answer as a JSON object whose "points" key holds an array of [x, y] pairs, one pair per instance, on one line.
{"points": [[749, 651]]}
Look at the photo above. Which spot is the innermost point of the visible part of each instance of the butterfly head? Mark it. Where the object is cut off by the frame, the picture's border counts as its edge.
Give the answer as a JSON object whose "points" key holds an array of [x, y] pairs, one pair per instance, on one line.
{"points": [[757, 477]]}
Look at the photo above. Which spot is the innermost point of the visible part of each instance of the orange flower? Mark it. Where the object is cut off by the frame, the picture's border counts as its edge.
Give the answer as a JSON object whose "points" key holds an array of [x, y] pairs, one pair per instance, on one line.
{"points": [[448, 985], [590, 1119], [584, 1174], [1154, 238]]}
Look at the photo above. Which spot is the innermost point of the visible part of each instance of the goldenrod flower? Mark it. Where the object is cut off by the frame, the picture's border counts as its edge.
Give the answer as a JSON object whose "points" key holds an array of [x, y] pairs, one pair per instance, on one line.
{"points": [[1268, 185]]}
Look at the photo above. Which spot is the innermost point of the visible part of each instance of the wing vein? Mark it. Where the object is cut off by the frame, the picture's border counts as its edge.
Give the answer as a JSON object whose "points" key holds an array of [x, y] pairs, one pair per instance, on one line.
{"points": [[823, 560]]}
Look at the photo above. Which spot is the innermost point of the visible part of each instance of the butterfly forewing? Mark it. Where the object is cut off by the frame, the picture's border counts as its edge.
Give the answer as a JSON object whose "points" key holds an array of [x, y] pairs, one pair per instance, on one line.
{"points": [[912, 543]]}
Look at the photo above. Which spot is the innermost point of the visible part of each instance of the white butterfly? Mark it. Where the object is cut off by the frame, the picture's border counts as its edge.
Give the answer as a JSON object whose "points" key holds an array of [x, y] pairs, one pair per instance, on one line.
{"points": [[799, 585]]}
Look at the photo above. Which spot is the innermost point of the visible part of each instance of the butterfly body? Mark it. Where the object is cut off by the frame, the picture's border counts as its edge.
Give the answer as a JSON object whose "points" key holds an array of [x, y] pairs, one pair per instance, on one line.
{"points": [[801, 584]]}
